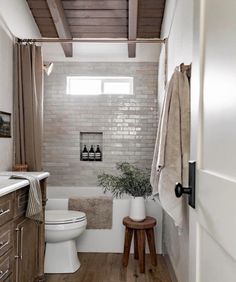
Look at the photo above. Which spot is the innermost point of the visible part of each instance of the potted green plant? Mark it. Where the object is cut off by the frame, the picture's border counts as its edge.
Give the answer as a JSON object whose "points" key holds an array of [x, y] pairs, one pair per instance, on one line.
{"points": [[132, 181]]}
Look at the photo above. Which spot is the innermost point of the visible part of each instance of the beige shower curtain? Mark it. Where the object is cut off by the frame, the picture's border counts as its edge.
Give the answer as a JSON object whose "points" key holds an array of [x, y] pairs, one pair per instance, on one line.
{"points": [[28, 105]]}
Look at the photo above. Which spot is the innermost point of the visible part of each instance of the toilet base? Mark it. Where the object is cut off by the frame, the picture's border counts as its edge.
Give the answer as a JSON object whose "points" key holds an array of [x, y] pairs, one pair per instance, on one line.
{"points": [[61, 257]]}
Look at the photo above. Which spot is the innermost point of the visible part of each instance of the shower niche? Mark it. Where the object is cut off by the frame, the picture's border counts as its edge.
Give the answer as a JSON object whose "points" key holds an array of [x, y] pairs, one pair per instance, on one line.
{"points": [[91, 146]]}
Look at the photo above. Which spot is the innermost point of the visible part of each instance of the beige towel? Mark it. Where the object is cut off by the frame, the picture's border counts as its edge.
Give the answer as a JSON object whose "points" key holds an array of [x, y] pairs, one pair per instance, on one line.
{"points": [[171, 155], [34, 207], [98, 210]]}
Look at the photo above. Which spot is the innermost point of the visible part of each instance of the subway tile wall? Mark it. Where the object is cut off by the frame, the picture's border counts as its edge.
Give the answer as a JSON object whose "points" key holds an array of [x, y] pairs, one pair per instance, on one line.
{"points": [[128, 122]]}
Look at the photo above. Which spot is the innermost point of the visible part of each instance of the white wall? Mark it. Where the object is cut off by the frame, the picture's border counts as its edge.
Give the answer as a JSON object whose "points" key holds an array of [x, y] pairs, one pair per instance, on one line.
{"points": [[178, 27], [16, 14], [6, 93], [102, 52]]}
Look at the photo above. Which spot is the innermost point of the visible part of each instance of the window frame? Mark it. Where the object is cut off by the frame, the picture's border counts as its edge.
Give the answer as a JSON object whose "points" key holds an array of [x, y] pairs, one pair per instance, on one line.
{"points": [[103, 79]]}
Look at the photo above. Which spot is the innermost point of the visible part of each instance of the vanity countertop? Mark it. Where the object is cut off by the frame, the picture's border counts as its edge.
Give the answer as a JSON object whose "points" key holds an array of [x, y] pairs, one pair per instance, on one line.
{"points": [[9, 185]]}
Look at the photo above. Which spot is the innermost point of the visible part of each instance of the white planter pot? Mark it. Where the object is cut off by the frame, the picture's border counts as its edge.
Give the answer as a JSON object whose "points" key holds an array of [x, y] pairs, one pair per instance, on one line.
{"points": [[137, 209]]}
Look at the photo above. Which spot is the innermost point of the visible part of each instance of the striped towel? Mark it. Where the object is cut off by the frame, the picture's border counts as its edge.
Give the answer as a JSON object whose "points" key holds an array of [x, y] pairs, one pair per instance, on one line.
{"points": [[34, 207]]}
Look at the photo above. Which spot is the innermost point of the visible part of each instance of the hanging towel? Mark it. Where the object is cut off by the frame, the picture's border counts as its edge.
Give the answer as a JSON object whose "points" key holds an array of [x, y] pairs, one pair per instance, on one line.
{"points": [[34, 207], [98, 210], [171, 155]]}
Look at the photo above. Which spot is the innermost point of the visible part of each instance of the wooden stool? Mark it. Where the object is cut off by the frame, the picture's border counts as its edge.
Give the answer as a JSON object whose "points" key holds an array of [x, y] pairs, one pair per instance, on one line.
{"points": [[139, 229]]}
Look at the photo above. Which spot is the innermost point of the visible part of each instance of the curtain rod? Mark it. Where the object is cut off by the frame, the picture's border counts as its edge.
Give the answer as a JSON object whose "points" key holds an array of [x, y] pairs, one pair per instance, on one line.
{"points": [[72, 40]]}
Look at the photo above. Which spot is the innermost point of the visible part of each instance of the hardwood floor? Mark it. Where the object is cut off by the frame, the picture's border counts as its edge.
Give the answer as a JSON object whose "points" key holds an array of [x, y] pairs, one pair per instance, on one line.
{"points": [[101, 267]]}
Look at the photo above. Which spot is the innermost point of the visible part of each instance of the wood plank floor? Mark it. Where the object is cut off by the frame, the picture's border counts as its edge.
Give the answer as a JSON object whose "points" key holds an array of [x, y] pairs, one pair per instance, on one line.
{"points": [[101, 267]]}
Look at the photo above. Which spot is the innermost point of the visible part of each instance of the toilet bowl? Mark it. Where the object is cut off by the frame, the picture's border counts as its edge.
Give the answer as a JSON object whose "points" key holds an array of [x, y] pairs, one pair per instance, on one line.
{"points": [[62, 228]]}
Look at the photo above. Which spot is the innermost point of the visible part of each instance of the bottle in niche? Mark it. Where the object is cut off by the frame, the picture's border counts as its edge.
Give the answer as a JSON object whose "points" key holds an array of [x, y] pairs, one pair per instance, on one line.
{"points": [[98, 154], [85, 154], [91, 154]]}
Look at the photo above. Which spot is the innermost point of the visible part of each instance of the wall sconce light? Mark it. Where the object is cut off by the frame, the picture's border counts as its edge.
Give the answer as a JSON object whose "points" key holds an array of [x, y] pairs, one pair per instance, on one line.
{"points": [[48, 68]]}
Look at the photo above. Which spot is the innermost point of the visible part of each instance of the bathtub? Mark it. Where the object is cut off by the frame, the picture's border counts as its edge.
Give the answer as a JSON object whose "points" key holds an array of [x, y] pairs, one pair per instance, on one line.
{"points": [[103, 240]]}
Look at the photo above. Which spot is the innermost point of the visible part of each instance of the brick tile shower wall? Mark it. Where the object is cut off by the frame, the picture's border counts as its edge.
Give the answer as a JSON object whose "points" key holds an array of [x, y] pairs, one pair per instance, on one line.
{"points": [[128, 122]]}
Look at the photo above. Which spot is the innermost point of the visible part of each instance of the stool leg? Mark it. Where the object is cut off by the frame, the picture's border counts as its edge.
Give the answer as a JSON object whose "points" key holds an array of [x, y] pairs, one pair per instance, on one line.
{"points": [[141, 249], [127, 244], [151, 244], [135, 245]]}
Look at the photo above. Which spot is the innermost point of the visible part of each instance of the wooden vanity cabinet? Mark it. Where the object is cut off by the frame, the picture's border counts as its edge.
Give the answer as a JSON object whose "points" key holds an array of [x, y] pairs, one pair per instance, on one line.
{"points": [[26, 242], [21, 239]]}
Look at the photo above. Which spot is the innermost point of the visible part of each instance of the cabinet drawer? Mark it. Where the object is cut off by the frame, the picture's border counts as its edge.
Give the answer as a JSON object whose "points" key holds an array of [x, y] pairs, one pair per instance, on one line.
{"points": [[6, 263], [21, 201], [6, 208], [6, 238]]}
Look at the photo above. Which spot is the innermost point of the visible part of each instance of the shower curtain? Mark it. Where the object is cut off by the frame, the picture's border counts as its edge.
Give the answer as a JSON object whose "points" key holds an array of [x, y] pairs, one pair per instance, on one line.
{"points": [[28, 105]]}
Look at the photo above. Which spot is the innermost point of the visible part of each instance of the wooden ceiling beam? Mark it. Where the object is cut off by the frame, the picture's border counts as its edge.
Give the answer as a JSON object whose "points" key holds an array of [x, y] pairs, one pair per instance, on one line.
{"points": [[94, 5], [61, 24], [132, 28]]}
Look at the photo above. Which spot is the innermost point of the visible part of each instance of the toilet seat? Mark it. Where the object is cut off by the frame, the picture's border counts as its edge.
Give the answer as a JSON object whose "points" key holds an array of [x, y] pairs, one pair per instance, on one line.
{"points": [[56, 217]]}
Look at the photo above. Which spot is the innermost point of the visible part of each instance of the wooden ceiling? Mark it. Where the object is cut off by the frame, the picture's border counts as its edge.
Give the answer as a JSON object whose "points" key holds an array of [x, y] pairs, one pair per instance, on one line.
{"points": [[128, 19]]}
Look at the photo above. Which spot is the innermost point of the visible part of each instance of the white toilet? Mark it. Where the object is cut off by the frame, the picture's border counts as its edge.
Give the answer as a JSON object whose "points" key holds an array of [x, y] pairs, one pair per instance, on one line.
{"points": [[62, 228]]}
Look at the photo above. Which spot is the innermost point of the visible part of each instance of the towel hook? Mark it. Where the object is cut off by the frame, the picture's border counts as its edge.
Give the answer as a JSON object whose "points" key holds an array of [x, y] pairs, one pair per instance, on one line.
{"points": [[186, 68]]}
